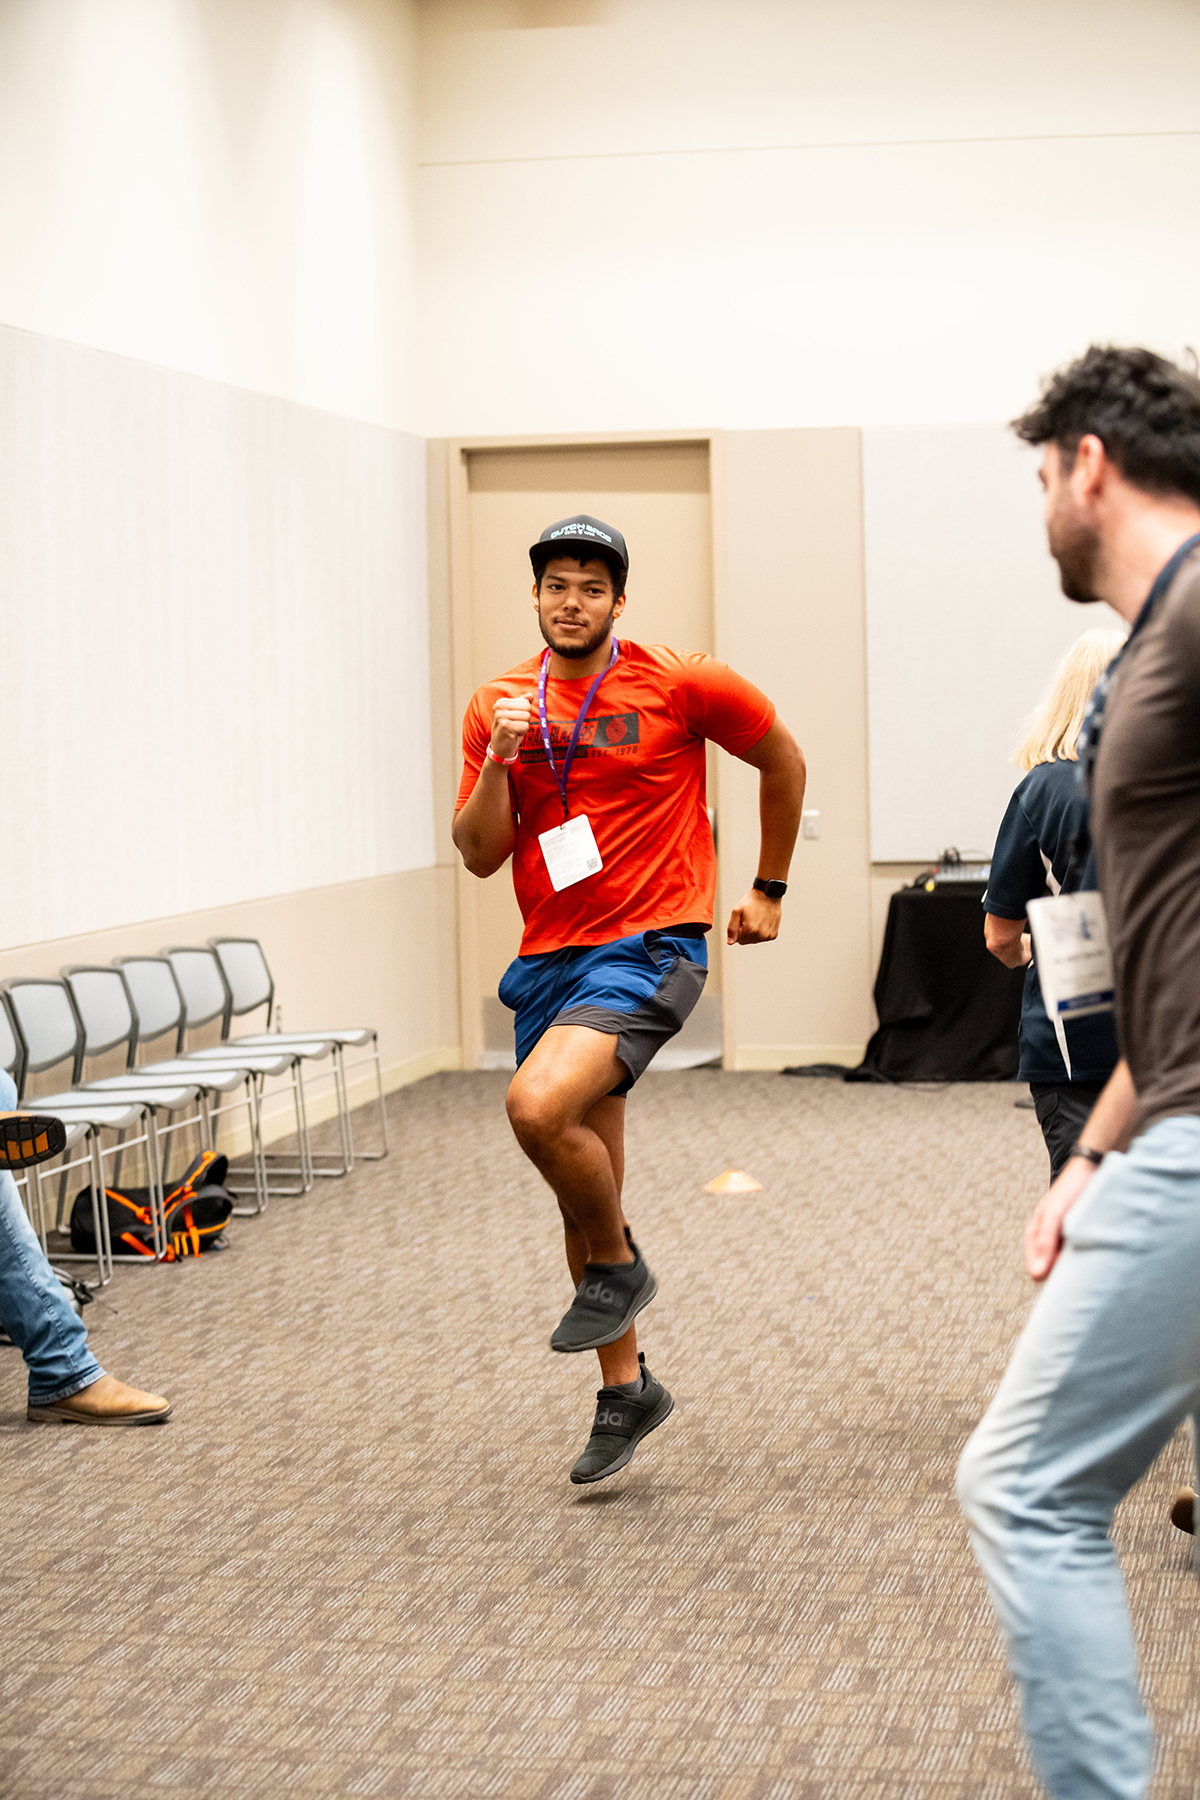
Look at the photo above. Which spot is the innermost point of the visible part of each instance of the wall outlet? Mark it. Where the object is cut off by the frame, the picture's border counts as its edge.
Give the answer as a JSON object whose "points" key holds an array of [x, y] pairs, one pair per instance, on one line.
{"points": [[810, 824]]}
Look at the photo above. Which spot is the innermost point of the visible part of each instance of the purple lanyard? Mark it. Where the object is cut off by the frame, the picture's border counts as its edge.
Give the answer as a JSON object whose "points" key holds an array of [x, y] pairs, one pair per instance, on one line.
{"points": [[573, 740]]}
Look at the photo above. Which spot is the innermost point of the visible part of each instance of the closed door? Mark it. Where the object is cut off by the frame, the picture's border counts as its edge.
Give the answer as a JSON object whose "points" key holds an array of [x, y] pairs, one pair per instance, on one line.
{"points": [[658, 496]]}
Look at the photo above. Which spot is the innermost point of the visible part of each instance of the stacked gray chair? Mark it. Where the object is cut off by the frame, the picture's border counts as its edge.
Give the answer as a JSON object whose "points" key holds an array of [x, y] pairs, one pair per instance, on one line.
{"points": [[199, 1000], [51, 1033], [136, 1001], [108, 1017], [79, 1133], [225, 1089], [250, 985]]}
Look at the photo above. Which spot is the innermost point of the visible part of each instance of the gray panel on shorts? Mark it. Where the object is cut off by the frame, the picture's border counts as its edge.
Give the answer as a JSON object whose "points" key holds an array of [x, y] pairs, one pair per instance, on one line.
{"points": [[640, 1034]]}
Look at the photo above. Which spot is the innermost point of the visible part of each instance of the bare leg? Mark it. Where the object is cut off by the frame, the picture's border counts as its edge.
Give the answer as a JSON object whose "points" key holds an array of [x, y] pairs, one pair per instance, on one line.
{"points": [[572, 1129], [618, 1360], [607, 1120]]}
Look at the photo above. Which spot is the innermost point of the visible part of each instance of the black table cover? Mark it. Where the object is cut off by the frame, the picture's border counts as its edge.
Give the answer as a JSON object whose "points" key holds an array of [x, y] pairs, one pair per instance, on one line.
{"points": [[948, 1011]]}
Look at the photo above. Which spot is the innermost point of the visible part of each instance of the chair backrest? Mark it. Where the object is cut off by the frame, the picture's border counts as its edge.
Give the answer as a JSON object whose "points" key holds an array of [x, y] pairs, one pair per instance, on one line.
{"points": [[11, 1053], [204, 989], [156, 996], [47, 1023], [246, 975], [102, 1000]]}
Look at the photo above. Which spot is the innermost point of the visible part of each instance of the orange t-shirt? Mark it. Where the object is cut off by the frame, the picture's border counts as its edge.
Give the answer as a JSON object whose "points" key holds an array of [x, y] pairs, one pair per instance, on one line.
{"points": [[638, 775]]}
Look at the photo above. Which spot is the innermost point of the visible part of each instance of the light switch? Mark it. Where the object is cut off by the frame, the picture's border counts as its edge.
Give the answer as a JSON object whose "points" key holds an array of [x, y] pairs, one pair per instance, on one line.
{"points": [[810, 824]]}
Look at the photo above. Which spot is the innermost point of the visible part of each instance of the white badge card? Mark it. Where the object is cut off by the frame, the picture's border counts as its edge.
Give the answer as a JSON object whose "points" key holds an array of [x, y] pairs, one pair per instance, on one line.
{"points": [[1074, 962], [571, 853]]}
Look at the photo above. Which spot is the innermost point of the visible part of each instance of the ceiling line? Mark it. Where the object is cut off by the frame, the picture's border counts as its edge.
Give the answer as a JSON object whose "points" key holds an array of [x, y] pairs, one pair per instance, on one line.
{"points": [[1047, 137]]}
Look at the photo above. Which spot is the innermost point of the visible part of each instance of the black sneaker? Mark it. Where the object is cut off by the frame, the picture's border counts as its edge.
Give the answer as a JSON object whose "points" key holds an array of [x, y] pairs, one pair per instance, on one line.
{"points": [[606, 1302], [622, 1421]]}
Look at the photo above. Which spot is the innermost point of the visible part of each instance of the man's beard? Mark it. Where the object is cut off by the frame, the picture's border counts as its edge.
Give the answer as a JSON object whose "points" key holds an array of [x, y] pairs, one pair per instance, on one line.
{"points": [[1075, 547], [576, 649]]}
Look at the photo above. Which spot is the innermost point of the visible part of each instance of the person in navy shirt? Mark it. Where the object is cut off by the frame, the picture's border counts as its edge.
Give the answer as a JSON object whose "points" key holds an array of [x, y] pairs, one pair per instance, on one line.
{"points": [[1065, 1065]]}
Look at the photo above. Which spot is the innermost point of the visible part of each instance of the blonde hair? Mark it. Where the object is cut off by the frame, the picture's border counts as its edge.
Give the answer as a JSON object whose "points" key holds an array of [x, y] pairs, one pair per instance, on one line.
{"points": [[1058, 720]]}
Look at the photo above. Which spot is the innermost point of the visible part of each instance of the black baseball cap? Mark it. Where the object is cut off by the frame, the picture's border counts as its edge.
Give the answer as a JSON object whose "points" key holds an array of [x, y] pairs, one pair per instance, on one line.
{"points": [[580, 536]]}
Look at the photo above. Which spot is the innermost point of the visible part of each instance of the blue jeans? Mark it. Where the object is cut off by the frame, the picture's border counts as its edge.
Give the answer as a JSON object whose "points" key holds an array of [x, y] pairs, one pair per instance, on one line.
{"points": [[1105, 1370], [34, 1309]]}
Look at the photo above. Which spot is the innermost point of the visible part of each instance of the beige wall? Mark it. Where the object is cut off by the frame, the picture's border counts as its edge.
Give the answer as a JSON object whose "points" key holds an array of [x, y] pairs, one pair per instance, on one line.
{"points": [[791, 617], [378, 952]]}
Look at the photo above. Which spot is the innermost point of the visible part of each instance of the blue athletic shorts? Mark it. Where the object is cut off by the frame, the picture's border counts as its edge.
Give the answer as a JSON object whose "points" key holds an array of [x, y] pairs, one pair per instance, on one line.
{"points": [[639, 990]]}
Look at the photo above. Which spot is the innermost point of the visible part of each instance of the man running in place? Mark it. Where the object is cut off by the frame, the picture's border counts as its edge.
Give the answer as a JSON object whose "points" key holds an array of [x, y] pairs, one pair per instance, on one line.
{"points": [[586, 765]]}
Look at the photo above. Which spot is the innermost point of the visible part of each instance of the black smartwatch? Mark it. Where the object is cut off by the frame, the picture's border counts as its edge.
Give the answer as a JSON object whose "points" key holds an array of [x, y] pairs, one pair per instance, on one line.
{"points": [[774, 890]]}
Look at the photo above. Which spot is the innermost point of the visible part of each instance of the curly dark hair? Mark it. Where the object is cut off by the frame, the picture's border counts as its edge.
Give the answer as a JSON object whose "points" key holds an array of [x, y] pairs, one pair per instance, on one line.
{"points": [[1144, 409]]}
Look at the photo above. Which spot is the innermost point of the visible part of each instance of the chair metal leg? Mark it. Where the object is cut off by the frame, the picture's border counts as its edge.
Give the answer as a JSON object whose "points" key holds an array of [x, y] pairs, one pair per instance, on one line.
{"points": [[260, 1190], [158, 1223], [274, 1158], [210, 1113], [312, 1163], [376, 1155], [103, 1252], [104, 1263], [343, 1105], [324, 1165]]}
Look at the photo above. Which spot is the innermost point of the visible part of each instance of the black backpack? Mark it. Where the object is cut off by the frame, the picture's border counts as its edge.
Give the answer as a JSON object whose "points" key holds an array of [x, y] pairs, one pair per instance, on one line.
{"points": [[197, 1212]]}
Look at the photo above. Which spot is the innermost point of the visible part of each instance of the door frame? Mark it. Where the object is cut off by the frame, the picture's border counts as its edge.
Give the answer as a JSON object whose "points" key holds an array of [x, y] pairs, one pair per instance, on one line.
{"points": [[457, 504]]}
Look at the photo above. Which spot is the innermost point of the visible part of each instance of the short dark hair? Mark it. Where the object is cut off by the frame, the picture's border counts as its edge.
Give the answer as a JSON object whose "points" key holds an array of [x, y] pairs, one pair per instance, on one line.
{"points": [[612, 562], [1144, 409]]}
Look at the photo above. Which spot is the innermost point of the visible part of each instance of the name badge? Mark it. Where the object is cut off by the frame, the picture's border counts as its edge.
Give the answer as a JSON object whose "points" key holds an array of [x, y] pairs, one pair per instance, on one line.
{"points": [[571, 853], [1074, 962]]}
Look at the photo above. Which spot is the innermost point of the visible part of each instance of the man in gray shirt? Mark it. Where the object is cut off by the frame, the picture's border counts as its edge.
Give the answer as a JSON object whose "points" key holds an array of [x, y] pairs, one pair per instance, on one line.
{"points": [[1109, 1363]]}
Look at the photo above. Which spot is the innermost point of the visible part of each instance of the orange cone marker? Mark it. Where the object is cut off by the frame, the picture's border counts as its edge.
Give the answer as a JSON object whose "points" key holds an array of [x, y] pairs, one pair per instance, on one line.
{"points": [[733, 1181]]}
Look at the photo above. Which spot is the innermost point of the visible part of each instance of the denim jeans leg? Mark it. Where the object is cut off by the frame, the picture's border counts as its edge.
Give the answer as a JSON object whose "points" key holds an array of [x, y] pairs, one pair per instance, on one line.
{"points": [[1107, 1367], [35, 1311]]}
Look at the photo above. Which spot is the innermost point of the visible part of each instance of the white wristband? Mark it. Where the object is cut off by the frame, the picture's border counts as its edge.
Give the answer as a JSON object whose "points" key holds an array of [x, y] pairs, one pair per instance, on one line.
{"points": [[506, 762]]}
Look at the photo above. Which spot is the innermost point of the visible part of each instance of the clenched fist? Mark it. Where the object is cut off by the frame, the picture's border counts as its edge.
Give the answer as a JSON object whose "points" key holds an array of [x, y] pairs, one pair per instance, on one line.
{"points": [[754, 920], [510, 722]]}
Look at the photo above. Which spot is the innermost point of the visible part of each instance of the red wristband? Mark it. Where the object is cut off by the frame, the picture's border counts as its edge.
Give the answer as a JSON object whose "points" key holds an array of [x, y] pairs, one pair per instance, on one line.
{"points": [[506, 762]]}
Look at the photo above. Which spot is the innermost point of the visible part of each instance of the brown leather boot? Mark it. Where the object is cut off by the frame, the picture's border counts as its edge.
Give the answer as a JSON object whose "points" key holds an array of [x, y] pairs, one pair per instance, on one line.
{"points": [[1183, 1510], [29, 1137], [106, 1402]]}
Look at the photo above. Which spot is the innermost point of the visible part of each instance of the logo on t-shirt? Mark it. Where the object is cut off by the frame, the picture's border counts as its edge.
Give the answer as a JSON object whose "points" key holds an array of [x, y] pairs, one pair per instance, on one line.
{"points": [[611, 731]]}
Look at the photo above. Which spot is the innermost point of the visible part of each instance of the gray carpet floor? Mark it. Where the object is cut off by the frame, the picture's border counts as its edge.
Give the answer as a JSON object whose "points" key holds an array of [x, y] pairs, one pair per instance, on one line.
{"points": [[352, 1564]]}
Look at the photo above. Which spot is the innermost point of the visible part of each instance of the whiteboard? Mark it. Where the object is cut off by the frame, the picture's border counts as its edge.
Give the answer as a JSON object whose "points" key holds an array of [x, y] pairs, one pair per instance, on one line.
{"points": [[965, 626]]}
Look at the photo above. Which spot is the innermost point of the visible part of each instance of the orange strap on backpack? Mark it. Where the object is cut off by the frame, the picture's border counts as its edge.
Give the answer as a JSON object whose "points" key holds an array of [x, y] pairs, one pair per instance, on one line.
{"points": [[127, 1237]]}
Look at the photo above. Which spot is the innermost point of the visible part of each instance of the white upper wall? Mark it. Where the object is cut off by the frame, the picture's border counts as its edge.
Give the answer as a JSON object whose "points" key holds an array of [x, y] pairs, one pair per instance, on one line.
{"points": [[223, 187], [758, 213], [218, 604], [213, 572], [632, 213]]}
